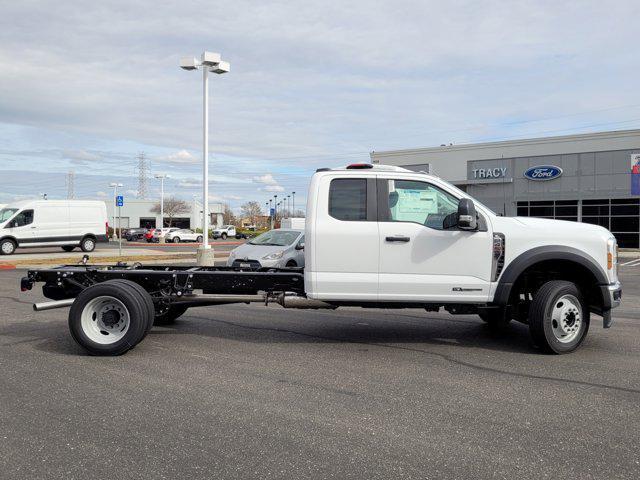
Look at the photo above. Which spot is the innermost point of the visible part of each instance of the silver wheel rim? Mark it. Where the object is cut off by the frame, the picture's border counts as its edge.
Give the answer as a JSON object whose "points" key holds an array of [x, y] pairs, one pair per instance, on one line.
{"points": [[89, 245], [176, 240], [7, 247], [566, 318], [105, 320]]}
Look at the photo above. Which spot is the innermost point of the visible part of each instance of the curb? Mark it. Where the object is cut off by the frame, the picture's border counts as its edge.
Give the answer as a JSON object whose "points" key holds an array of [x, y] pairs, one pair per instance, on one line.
{"points": [[7, 266]]}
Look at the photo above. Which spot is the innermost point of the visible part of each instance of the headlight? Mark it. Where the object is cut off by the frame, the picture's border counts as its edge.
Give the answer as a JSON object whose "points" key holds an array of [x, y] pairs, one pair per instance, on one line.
{"points": [[273, 256]]}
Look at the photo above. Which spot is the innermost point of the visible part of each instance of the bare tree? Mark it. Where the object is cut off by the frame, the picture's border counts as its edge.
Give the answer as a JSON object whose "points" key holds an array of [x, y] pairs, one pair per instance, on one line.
{"points": [[251, 210], [172, 208], [228, 217]]}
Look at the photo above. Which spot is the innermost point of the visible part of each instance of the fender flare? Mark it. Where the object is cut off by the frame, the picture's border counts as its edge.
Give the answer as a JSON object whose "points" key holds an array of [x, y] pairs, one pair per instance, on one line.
{"points": [[540, 254]]}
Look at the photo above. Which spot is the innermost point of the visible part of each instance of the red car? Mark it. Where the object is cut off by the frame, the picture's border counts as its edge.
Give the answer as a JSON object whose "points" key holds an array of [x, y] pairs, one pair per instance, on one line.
{"points": [[148, 236]]}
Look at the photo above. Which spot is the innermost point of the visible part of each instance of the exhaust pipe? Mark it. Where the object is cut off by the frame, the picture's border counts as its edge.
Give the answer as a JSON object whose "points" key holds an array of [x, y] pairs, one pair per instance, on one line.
{"points": [[297, 301], [40, 307]]}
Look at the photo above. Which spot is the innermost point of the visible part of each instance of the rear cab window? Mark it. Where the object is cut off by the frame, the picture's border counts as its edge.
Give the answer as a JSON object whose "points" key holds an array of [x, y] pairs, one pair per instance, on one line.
{"points": [[348, 199]]}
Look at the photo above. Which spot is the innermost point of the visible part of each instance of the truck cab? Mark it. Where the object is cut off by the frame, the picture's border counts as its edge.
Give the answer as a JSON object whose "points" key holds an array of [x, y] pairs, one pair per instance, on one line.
{"points": [[387, 236]]}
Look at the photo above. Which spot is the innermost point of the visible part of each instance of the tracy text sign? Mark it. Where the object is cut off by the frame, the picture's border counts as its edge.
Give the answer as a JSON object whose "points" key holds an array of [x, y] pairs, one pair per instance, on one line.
{"points": [[543, 172], [497, 172]]}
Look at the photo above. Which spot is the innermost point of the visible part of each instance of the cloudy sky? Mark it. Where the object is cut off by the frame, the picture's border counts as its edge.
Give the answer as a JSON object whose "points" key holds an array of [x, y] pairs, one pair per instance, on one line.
{"points": [[86, 86]]}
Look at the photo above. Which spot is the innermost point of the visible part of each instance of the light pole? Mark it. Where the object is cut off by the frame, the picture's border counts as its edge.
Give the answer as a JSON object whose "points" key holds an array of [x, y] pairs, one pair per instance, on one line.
{"points": [[209, 62], [270, 214], [293, 200], [115, 186], [161, 177]]}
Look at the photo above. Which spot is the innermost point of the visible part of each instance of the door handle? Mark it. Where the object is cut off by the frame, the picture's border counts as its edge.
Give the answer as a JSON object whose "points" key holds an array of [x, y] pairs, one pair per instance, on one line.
{"points": [[397, 239]]}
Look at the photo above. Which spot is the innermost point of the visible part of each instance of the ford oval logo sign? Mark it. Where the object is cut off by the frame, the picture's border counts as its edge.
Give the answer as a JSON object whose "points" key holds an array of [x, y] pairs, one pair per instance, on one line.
{"points": [[543, 172]]}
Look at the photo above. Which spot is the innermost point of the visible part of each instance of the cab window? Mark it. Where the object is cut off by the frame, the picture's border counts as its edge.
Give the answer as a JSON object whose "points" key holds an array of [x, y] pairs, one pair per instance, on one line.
{"points": [[348, 199], [25, 217], [418, 202]]}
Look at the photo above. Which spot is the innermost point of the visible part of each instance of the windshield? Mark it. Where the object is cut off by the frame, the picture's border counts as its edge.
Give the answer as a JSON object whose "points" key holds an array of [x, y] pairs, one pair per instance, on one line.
{"points": [[7, 213], [280, 238]]}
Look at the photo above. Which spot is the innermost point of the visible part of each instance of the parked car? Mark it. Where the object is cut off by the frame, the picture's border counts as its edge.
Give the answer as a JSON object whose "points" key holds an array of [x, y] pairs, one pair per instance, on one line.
{"points": [[135, 234], [148, 236], [183, 235], [276, 249], [160, 233], [44, 223], [224, 231]]}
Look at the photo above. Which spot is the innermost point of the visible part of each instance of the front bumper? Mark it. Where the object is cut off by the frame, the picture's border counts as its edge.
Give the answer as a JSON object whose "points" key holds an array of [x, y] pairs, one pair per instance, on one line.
{"points": [[612, 296]]}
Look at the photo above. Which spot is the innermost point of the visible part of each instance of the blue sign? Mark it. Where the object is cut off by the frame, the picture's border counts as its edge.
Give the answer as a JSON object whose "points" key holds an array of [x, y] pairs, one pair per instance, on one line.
{"points": [[119, 201], [543, 172], [272, 212]]}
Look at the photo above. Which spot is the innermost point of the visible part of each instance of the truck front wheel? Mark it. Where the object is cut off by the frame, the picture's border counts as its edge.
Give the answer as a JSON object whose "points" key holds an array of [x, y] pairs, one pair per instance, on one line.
{"points": [[558, 317]]}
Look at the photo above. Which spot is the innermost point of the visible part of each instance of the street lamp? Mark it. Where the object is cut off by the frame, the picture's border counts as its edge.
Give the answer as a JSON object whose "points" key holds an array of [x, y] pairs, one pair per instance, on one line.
{"points": [[209, 62], [161, 177], [293, 199], [115, 186], [288, 206]]}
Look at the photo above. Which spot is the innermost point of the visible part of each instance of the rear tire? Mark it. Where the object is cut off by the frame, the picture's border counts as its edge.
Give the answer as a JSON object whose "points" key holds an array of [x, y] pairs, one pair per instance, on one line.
{"points": [[68, 248], [7, 247], [88, 244], [176, 239], [169, 315], [144, 296], [558, 317], [108, 319], [199, 239]]}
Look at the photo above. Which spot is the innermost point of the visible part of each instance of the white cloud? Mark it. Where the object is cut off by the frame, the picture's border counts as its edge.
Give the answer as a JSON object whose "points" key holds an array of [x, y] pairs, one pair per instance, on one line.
{"points": [[80, 156], [181, 156], [273, 188], [266, 179], [101, 194]]}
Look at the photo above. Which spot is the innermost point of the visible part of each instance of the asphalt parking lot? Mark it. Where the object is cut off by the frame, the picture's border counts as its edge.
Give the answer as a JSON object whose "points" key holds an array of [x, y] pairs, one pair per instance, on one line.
{"points": [[252, 392]]}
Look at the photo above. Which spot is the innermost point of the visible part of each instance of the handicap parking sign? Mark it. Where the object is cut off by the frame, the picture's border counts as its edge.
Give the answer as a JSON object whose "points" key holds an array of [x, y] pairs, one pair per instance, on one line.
{"points": [[119, 201]]}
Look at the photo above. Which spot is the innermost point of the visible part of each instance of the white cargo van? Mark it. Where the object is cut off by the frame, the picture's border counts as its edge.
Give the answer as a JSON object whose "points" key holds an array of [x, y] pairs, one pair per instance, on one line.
{"points": [[46, 223]]}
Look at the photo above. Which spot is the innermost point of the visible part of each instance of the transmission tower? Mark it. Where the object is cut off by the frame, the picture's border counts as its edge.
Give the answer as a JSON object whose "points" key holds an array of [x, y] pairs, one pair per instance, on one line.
{"points": [[71, 187], [142, 176]]}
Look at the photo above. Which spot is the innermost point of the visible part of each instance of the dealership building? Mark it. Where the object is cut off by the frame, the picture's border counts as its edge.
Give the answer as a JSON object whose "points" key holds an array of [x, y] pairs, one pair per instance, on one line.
{"points": [[592, 178], [141, 213]]}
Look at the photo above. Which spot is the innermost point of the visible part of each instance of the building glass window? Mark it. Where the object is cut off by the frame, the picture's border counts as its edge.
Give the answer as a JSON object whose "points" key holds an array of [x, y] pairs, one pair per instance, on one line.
{"points": [[619, 215]]}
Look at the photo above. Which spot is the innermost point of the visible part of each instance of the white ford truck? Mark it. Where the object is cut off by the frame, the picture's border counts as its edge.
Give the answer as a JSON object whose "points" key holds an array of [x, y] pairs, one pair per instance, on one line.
{"points": [[376, 237]]}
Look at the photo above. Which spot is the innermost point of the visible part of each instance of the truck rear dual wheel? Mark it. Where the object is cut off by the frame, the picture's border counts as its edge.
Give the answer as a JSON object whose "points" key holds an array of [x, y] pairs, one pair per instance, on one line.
{"points": [[558, 317], [111, 318]]}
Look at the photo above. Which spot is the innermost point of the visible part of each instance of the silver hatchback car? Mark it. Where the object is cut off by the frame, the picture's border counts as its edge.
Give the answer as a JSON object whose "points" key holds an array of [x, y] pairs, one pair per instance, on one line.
{"points": [[277, 248]]}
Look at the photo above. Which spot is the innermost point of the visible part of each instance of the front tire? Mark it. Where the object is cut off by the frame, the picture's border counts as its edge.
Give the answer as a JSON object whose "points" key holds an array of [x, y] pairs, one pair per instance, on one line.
{"points": [[558, 317], [223, 236], [88, 244], [7, 247], [176, 239], [199, 239], [108, 319]]}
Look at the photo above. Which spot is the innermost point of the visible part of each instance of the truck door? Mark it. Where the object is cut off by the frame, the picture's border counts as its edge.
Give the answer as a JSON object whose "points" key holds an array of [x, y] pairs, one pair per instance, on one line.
{"points": [[344, 252], [419, 259]]}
